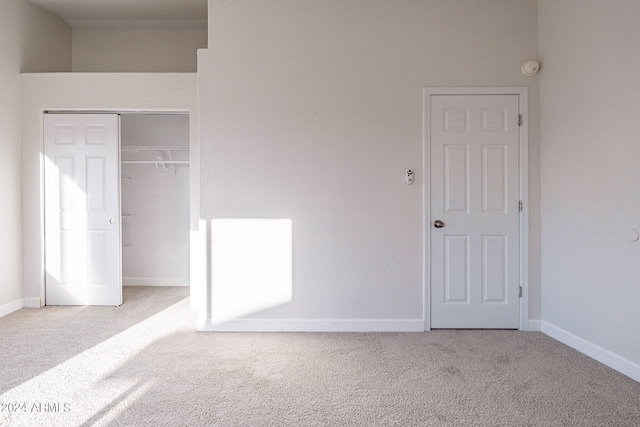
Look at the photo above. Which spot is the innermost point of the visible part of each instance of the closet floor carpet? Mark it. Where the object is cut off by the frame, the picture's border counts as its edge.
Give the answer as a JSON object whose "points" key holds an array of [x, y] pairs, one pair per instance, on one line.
{"points": [[143, 364]]}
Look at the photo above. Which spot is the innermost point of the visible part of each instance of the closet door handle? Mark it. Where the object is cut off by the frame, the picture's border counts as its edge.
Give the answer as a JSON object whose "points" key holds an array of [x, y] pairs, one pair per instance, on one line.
{"points": [[112, 221]]}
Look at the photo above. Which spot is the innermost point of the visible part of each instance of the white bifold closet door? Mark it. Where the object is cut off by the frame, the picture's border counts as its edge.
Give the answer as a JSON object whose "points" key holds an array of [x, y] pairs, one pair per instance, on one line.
{"points": [[82, 209]]}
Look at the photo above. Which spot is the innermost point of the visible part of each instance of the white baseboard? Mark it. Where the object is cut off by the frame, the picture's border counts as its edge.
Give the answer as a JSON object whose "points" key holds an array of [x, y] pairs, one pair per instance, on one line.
{"points": [[155, 281], [534, 325], [311, 325], [10, 307], [602, 355], [321, 325], [32, 303]]}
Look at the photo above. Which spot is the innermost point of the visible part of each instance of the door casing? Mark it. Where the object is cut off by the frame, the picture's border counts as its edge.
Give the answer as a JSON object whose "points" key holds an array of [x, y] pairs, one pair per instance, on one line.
{"points": [[194, 289], [522, 93]]}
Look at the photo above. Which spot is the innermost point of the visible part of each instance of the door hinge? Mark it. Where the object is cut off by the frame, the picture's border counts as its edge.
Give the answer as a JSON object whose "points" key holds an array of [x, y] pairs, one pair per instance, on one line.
{"points": [[520, 292], [519, 119], [520, 205]]}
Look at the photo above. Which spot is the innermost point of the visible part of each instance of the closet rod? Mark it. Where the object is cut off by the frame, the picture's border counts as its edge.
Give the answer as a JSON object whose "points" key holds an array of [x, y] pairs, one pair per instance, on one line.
{"points": [[157, 162]]}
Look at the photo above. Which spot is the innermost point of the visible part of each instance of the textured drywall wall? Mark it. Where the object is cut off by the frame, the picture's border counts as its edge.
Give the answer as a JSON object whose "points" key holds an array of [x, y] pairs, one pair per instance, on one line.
{"points": [[590, 119], [137, 50], [312, 111], [31, 40]]}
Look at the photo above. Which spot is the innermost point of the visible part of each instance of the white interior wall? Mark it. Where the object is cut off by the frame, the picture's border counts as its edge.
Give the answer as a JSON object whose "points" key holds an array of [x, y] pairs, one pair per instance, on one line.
{"points": [[157, 200], [137, 50], [30, 40], [313, 111], [589, 91], [120, 92]]}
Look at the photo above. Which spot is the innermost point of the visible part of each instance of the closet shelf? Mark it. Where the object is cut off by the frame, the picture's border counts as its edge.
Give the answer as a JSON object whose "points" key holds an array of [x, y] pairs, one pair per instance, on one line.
{"points": [[159, 155], [136, 148]]}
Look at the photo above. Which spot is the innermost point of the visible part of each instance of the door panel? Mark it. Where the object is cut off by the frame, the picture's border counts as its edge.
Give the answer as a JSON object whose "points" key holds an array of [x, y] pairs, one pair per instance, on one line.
{"points": [[494, 269], [456, 178], [474, 192], [82, 209], [456, 266]]}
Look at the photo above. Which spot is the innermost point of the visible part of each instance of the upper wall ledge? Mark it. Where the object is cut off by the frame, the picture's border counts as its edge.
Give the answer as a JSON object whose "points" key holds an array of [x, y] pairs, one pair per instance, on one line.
{"points": [[137, 24]]}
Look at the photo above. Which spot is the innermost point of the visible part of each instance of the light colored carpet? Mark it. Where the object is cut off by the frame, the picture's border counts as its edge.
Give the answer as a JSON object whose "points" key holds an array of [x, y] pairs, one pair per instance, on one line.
{"points": [[143, 364]]}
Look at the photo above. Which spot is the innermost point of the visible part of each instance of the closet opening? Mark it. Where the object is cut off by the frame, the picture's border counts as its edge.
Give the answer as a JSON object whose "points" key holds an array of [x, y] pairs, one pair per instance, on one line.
{"points": [[155, 199]]}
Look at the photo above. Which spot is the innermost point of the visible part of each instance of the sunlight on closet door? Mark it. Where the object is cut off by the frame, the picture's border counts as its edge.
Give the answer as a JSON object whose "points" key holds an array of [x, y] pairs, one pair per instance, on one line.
{"points": [[82, 209]]}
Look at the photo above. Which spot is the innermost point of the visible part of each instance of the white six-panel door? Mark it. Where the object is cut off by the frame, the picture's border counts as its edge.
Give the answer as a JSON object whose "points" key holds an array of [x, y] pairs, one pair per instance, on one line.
{"points": [[474, 199], [82, 209]]}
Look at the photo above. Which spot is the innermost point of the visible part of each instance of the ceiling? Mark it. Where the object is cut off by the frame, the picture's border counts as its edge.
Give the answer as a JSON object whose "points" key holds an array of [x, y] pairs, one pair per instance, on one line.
{"points": [[82, 13]]}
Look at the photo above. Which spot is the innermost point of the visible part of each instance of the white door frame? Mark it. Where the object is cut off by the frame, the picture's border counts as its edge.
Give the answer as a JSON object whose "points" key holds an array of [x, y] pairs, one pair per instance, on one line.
{"points": [[522, 93], [100, 92], [194, 204]]}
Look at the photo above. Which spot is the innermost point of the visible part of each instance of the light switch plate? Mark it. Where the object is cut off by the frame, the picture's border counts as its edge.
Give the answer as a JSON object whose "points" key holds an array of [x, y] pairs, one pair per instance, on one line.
{"points": [[408, 176]]}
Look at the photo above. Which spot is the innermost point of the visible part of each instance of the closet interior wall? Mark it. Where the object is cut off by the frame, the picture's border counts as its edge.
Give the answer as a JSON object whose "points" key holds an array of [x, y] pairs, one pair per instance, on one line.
{"points": [[155, 199]]}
